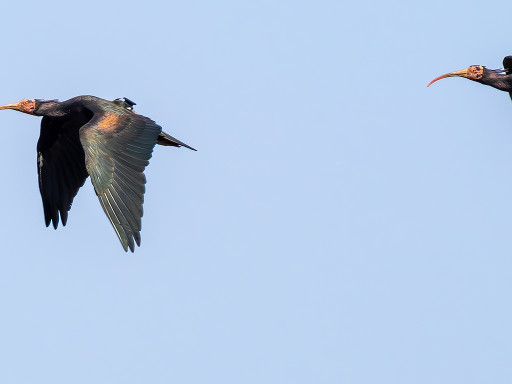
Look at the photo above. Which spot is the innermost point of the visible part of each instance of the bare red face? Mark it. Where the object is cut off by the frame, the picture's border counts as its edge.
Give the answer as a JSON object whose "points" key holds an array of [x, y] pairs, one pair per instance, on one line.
{"points": [[25, 106], [475, 72]]}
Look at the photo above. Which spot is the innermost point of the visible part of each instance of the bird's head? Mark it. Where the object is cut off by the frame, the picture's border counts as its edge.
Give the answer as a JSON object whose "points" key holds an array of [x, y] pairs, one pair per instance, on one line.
{"points": [[474, 72], [26, 106]]}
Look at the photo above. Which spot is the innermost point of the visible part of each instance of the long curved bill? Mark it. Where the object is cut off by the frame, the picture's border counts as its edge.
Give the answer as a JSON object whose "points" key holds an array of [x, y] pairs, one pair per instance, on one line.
{"points": [[15, 106], [462, 73]]}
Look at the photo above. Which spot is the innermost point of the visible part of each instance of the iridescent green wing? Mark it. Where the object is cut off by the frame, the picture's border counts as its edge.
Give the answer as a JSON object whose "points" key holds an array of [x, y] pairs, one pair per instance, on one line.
{"points": [[118, 145]]}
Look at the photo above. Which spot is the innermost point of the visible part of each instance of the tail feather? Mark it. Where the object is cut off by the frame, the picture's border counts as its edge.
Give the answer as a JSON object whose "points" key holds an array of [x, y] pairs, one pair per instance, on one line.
{"points": [[165, 139]]}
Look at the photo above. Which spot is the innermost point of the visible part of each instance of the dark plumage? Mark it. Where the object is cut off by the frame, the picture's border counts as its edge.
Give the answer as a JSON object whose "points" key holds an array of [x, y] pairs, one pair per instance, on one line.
{"points": [[88, 136]]}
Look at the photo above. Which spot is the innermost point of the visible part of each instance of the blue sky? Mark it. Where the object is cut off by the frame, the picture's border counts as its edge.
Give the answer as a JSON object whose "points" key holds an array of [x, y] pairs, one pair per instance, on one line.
{"points": [[340, 222]]}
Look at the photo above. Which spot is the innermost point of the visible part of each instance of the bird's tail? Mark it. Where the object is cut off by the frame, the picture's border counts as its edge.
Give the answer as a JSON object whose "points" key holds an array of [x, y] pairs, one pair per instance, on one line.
{"points": [[165, 139]]}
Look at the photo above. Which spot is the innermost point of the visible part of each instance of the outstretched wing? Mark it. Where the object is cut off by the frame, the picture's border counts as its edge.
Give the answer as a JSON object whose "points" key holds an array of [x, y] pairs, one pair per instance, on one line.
{"points": [[60, 166], [118, 145]]}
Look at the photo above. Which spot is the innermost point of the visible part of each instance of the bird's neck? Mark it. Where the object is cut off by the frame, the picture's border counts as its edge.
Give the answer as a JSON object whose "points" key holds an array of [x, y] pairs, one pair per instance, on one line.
{"points": [[51, 108], [501, 82], [502, 85]]}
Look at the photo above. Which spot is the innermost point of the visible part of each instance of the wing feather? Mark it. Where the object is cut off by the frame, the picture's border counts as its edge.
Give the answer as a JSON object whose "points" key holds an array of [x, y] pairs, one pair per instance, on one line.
{"points": [[113, 145], [61, 166], [118, 145]]}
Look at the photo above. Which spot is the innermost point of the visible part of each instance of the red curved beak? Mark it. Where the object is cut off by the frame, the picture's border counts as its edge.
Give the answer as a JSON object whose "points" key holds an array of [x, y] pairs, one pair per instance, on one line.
{"points": [[462, 73], [15, 106]]}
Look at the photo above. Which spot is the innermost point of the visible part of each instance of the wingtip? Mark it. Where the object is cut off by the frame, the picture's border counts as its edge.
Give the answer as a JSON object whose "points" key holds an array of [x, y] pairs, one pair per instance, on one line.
{"points": [[64, 217]]}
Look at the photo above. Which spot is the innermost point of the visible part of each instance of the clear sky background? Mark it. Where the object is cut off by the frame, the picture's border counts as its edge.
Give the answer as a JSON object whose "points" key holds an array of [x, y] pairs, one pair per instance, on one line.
{"points": [[340, 222]]}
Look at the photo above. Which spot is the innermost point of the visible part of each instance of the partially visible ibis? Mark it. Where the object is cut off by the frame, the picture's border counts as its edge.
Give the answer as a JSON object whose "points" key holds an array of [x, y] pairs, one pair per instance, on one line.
{"points": [[497, 78]]}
